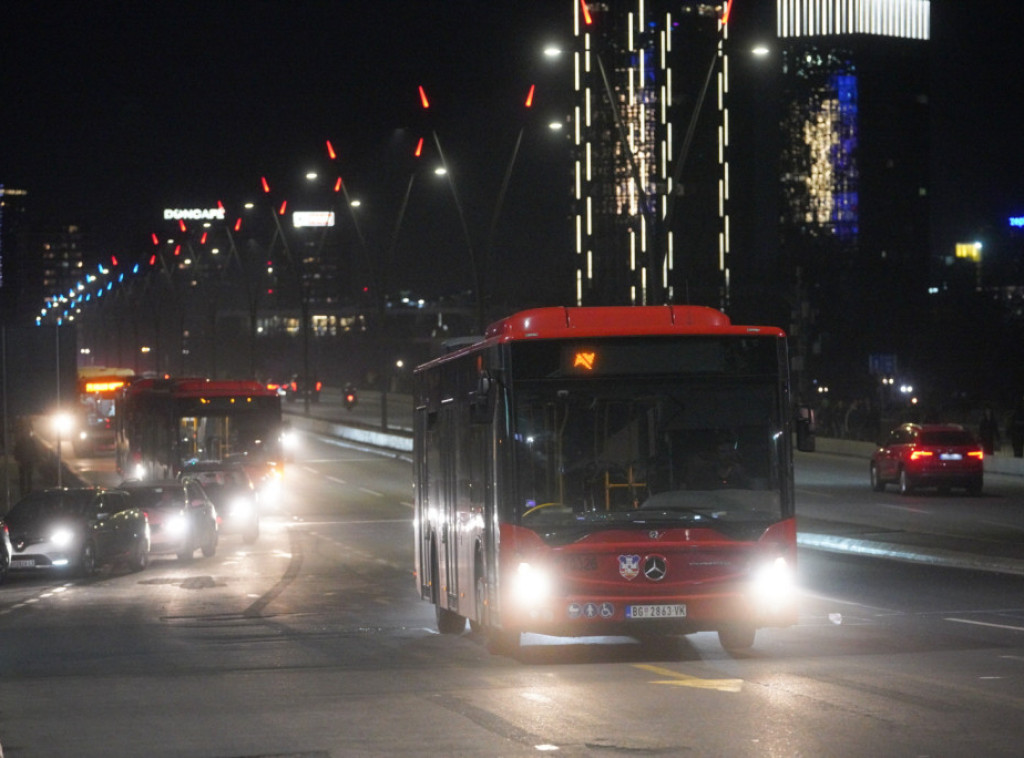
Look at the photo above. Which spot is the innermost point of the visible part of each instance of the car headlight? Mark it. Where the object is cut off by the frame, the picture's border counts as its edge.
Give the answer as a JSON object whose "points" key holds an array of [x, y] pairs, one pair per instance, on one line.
{"points": [[289, 440], [240, 507], [176, 525], [773, 583], [62, 537], [530, 584]]}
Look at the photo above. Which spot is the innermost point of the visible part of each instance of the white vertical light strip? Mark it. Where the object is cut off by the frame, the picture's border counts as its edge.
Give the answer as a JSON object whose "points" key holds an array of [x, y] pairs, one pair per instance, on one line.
{"points": [[589, 175], [590, 265], [579, 233], [579, 287], [725, 122], [590, 217], [577, 74], [577, 134], [578, 180], [909, 19]]}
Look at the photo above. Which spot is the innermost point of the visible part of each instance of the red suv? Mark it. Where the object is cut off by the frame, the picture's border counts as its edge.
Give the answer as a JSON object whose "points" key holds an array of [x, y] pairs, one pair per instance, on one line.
{"points": [[928, 455]]}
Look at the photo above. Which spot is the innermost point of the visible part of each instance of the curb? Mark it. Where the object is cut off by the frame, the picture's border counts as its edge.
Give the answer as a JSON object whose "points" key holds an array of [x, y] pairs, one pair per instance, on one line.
{"points": [[923, 555]]}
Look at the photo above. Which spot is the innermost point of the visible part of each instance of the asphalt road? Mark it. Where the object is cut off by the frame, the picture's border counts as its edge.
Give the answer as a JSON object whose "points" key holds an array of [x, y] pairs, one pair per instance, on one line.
{"points": [[313, 642]]}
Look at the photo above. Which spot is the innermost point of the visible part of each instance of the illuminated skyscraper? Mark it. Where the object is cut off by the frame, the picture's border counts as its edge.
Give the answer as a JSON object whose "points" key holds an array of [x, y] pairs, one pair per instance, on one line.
{"points": [[853, 175], [12, 228], [651, 180]]}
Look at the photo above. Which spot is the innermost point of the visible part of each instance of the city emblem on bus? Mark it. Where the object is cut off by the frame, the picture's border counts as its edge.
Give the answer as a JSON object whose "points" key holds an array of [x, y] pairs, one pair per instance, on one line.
{"points": [[629, 566]]}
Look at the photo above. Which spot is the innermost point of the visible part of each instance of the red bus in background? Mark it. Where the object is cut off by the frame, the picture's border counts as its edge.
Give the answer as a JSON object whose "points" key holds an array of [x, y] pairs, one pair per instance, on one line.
{"points": [[596, 471], [162, 424], [98, 390]]}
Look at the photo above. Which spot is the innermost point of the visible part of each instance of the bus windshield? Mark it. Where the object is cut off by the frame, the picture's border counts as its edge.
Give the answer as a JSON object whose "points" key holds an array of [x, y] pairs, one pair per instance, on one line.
{"points": [[674, 446]]}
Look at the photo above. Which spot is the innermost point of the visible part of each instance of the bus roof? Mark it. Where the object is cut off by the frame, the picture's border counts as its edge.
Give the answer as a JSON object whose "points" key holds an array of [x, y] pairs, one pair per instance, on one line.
{"points": [[605, 321], [104, 372], [200, 387], [618, 321]]}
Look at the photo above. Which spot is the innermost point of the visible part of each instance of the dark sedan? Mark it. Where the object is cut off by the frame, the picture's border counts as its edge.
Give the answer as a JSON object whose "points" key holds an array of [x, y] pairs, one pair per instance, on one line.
{"points": [[76, 530], [182, 518]]}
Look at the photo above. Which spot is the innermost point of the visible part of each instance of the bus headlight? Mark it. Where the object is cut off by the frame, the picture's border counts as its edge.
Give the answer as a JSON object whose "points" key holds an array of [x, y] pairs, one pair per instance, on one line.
{"points": [[241, 507], [530, 584], [773, 583], [289, 440]]}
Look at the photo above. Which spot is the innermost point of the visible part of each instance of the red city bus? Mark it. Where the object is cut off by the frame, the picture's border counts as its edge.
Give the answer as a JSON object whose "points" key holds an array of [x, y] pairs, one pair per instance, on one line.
{"points": [[98, 390], [163, 424], [615, 470]]}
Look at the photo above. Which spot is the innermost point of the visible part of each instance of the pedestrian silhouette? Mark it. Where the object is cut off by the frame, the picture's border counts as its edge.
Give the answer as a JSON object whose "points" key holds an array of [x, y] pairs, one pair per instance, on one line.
{"points": [[26, 454], [988, 431], [1015, 430]]}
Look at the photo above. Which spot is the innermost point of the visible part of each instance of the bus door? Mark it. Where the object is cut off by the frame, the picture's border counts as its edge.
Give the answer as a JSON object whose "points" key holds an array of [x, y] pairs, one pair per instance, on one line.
{"points": [[449, 425]]}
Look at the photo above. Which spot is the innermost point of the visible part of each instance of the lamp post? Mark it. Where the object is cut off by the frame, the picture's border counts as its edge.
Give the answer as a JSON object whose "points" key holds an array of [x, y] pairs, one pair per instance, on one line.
{"points": [[62, 425]]}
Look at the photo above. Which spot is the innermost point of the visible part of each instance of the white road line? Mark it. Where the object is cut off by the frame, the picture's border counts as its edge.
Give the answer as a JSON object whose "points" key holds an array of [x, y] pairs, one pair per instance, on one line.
{"points": [[370, 492], [335, 479], [986, 623]]}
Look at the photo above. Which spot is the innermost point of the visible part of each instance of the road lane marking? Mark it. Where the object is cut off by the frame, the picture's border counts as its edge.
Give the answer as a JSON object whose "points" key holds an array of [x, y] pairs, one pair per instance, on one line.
{"points": [[685, 680], [368, 491], [335, 479], [986, 623]]}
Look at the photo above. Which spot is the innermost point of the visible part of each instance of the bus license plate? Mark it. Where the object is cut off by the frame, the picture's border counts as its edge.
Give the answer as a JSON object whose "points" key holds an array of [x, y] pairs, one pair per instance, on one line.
{"points": [[674, 611]]}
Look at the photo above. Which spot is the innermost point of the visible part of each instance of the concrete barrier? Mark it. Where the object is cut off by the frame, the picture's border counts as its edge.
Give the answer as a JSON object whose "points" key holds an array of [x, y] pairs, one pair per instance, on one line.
{"points": [[999, 463]]}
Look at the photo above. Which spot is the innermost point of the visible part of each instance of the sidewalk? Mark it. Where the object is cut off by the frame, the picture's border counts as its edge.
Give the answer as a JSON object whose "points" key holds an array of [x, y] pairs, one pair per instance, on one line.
{"points": [[997, 555]]}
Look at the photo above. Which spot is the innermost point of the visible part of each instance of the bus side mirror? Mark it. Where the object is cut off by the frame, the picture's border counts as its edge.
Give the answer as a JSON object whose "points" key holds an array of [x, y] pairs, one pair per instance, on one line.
{"points": [[480, 399], [805, 429]]}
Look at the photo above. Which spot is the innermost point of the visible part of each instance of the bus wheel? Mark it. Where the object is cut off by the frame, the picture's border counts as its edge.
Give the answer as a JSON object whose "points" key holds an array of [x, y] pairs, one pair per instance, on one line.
{"points": [[449, 622], [737, 637]]}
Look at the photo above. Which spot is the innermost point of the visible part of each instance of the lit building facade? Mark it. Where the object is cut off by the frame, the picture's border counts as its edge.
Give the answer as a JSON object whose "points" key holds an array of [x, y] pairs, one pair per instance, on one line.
{"points": [[852, 180], [12, 228], [651, 147]]}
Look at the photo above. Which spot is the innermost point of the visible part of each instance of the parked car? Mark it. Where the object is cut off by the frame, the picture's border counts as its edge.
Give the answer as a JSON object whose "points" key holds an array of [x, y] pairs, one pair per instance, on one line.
{"points": [[928, 455], [233, 493], [5, 551], [182, 518], [76, 530]]}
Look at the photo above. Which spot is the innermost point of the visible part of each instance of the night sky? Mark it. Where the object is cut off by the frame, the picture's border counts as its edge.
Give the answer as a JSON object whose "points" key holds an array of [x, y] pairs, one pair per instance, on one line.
{"points": [[114, 110]]}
